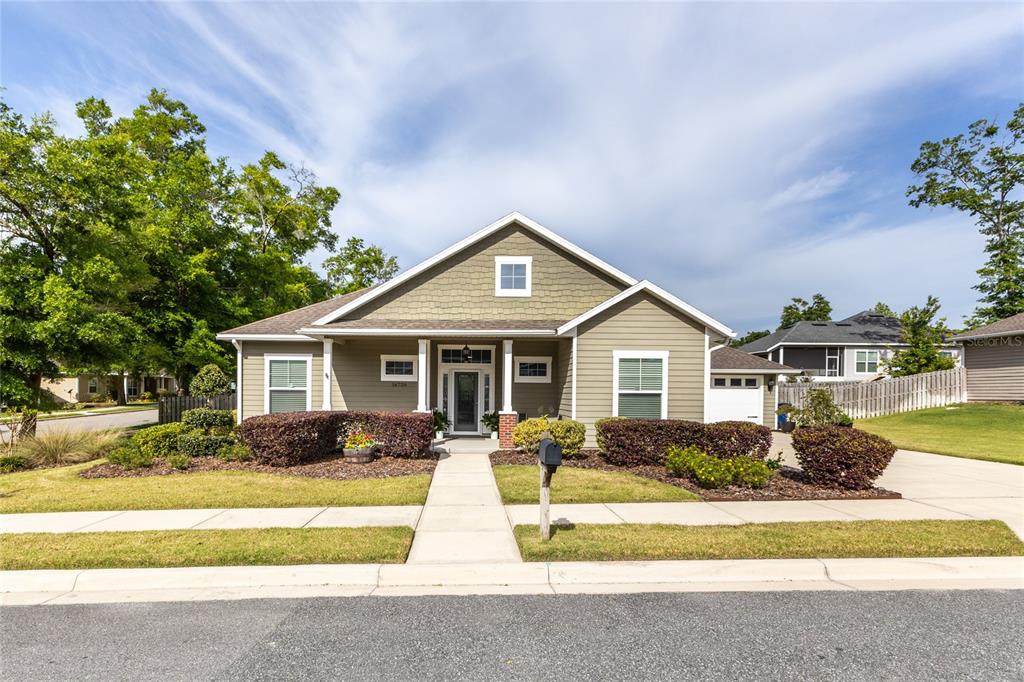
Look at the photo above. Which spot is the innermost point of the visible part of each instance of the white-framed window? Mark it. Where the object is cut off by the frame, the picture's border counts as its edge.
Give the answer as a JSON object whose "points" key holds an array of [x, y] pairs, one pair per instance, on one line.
{"points": [[94, 385], [398, 367], [867, 361], [133, 387], [287, 383], [735, 382], [513, 275], [639, 383], [532, 369]]}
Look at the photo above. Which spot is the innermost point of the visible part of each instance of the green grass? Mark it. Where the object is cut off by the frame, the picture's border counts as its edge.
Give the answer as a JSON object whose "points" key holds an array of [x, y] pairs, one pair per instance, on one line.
{"points": [[165, 548], [519, 484], [990, 432], [50, 490], [818, 539]]}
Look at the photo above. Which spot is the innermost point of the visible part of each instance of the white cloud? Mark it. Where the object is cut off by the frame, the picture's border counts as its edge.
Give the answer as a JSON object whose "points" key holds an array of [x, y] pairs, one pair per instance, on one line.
{"points": [[809, 189]]}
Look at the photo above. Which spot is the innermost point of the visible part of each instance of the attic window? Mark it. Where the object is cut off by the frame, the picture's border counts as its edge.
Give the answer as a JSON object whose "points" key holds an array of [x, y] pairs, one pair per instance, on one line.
{"points": [[513, 276]]}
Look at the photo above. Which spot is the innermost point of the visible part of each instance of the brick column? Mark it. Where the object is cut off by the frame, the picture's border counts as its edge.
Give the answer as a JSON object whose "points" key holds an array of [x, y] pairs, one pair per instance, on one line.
{"points": [[506, 422]]}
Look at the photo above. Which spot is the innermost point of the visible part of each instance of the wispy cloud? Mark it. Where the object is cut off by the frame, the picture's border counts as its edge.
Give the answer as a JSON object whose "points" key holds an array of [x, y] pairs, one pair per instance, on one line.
{"points": [[809, 189]]}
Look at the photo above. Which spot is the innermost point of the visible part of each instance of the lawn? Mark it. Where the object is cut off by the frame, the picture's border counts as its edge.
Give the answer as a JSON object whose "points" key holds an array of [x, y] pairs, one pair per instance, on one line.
{"points": [[165, 548], [519, 485], [61, 489], [817, 539], [990, 432]]}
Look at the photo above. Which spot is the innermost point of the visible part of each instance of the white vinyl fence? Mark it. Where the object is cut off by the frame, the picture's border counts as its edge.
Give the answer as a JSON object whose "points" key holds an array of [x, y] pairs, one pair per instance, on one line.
{"points": [[862, 400]]}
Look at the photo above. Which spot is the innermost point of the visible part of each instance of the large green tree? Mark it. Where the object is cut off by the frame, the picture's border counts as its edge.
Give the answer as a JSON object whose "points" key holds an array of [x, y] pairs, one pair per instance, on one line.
{"points": [[982, 174], [749, 337], [923, 335], [817, 309], [357, 266]]}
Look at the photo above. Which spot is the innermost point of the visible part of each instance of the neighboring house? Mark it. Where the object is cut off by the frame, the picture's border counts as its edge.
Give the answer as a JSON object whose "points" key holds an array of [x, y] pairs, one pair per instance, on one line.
{"points": [[848, 350], [82, 388], [513, 319], [994, 359]]}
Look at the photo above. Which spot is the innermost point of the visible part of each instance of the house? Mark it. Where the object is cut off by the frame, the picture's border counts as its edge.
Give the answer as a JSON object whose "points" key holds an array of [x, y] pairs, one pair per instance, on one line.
{"points": [[90, 387], [513, 319], [848, 350], [994, 360]]}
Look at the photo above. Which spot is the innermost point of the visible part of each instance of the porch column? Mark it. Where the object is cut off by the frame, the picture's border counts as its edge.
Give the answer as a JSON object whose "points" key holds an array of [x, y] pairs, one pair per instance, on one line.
{"points": [[422, 389], [238, 379], [507, 418], [328, 371], [124, 387]]}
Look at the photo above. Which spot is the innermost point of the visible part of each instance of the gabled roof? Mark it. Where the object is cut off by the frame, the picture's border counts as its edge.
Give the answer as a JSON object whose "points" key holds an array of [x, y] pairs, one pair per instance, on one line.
{"points": [[516, 217], [370, 327], [287, 323], [863, 329], [1006, 327], [726, 359], [657, 292]]}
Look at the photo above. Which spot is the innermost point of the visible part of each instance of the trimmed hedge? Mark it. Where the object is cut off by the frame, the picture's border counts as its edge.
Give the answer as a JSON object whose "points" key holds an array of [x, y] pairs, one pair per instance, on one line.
{"points": [[633, 442], [842, 457], [160, 441], [566, 432], [737, 439], [296, 437], [207, 418]]}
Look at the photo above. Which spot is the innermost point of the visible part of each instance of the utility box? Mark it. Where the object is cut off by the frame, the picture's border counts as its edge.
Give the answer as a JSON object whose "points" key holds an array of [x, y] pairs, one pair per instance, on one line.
{"points": [[550, 454]]}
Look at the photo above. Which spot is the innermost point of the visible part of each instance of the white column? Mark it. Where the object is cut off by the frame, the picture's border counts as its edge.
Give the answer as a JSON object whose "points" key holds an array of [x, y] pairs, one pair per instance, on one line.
{"points": [[124, 387], [506, 377], [574, 345], [328, 371], [238, 380], [782, 355], [421, 379], [707, 372]]}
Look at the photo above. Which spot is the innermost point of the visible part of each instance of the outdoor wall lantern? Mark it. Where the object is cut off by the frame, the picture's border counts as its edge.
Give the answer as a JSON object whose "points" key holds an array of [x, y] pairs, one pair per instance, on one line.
{"points": [[467, 354]]}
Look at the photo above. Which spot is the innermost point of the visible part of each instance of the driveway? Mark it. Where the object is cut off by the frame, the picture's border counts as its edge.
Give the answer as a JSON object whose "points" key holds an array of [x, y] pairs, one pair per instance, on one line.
{"points": [[989, 490]]}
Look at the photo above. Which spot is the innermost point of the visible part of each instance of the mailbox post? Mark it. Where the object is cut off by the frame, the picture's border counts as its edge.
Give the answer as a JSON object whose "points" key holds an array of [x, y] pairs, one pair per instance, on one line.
{"points": [[549, 456]]}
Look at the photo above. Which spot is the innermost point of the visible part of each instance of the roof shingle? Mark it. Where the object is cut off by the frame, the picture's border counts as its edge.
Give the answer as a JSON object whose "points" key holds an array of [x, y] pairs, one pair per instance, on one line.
{"points": [[730, 358], [1005, 327]]}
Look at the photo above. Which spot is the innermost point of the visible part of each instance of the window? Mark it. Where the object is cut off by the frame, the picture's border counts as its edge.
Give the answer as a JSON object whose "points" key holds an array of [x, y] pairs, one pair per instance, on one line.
{"points": [[719, 382], [287, 383], [477, 356], [133, 387], [94, 386], [867, 361], [532, 370], [735, 382], [750, 383], [398, 368], [638, 384], [513, 275]]}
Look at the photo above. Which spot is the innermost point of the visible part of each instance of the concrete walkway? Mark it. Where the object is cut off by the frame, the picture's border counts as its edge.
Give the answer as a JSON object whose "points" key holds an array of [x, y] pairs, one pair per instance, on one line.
{"points": [[463, 520]]}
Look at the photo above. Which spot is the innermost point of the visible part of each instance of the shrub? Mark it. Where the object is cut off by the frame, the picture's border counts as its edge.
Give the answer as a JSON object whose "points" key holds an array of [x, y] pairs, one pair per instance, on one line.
{"points": [[820, 409], [632, 442], [130, 457], [146, 396], [209, 382], [398, 434], [750, 473], [680, 461], [840, 457], [569, 434], [199, 444], [735, 439], [60, 448], [600, 433], [179, 460], [206, 418], [490, 420], [235, 453], [527, 433], [160, 441], [717, 472], [9, 463], [712, 472], [289, 438]]}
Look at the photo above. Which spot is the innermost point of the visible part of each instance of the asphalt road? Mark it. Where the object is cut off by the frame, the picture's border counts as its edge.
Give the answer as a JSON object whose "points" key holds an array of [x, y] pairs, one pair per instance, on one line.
{"points": [[734, 636], [115, 420]]}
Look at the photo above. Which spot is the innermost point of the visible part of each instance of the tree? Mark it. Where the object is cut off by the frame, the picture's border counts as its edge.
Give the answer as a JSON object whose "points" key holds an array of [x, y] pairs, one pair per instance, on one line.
{"points": [[924, 335], [883, 309], [210, 382], [982, 174], [357, 266], [818, 309], [749, 337]]}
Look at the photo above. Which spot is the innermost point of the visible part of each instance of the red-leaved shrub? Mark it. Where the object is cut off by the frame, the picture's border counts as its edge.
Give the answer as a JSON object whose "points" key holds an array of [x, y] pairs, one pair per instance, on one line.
{"points": [[839, 457], [398, 434], [289, 438], [737, 439], [631, 442]]}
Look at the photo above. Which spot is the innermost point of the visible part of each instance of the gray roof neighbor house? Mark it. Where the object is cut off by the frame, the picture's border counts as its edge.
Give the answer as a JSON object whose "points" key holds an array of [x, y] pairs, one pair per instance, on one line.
{"points": [[864, 328]]}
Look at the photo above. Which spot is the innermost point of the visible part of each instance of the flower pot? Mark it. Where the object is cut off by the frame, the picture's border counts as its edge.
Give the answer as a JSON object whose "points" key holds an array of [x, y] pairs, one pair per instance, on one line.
{"points": [[788, 427], [439, 435], [359, 455], [494, 435]]}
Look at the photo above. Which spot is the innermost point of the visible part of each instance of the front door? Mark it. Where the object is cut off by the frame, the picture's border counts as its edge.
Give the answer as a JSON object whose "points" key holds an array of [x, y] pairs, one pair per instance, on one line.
{"points": [[466, 417]]}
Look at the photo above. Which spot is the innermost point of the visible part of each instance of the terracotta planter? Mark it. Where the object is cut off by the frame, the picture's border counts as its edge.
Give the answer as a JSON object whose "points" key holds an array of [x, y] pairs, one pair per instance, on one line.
{"points": [[360, 455]]}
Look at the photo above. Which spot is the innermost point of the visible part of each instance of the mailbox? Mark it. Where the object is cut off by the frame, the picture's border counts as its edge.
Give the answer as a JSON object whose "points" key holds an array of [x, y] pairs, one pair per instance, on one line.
{"points": [[549, 453]]}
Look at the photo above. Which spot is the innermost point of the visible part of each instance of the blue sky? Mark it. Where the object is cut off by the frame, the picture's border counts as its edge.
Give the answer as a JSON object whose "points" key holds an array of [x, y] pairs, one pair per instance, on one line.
{"points": [[736, 154]]}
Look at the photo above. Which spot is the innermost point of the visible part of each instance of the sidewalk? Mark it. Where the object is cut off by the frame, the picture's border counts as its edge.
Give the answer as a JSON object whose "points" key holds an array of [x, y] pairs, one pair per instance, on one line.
{"points": [[24, 588]]}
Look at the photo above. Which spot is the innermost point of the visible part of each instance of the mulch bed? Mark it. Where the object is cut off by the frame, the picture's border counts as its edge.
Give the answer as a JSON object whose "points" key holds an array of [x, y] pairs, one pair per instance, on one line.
{"points": [[334, 467], [787, 484]]}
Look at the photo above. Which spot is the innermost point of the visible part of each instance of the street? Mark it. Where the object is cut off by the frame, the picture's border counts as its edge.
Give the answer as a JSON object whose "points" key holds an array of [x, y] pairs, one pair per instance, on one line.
{"points": [[115, 420], [767, 635]]}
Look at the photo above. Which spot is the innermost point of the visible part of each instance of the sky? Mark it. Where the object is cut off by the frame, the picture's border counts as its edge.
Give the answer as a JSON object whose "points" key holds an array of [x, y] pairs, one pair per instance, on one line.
{"points": [[736, 154]]}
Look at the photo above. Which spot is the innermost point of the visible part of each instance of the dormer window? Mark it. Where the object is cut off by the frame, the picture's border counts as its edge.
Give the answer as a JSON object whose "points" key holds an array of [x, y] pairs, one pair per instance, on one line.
{"points": [[513, 275]]}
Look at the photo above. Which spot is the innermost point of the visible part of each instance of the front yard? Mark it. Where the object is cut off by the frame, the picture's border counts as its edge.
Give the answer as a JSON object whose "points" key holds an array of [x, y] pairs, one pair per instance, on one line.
{"points": [[518, 484], [167, 548], [974, 431], [63, 489], [818, 539]]}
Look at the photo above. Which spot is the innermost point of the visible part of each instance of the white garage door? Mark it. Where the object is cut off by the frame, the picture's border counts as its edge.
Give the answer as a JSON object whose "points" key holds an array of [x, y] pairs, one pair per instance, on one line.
{"points": [[735, 404]]}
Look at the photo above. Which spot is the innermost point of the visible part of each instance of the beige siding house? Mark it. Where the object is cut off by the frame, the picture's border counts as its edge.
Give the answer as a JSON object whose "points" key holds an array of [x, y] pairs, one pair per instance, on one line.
{"points": [[513, 320], [994, 360]]}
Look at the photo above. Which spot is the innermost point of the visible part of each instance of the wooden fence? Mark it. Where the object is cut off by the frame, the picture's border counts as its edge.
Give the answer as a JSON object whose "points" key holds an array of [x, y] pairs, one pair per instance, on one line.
{"points": [[862, 400], [171, 407]]}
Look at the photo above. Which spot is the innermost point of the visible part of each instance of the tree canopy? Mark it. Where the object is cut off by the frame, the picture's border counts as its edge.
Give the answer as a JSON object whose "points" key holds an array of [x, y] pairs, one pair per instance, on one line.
{"points": [[748, 337], [357, 266], [924, 335], [817, 309]]}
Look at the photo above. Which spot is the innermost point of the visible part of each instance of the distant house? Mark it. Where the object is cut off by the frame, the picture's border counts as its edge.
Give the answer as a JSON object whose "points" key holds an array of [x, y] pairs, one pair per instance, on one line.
{"points": [[848, 350], [994, 359], [90, 387]]}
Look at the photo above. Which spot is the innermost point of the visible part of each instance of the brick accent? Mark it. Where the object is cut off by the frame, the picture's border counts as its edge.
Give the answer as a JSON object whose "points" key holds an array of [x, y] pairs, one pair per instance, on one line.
{"points": [[506, 422]]}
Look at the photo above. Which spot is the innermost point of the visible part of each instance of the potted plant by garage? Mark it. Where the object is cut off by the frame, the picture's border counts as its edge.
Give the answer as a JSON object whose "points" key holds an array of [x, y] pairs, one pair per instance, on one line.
{"points": [[788, 414], [359, 447], [441, 424], [490, 422]]}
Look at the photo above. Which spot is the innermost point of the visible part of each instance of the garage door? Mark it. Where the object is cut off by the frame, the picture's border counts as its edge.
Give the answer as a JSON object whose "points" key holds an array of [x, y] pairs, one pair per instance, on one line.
{"points": [[735, 404]]}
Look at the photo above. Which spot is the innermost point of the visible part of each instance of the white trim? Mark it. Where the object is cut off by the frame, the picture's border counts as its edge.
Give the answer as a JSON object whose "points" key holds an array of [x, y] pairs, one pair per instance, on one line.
{"points": [[866, 351], [239, 395], [421, 376], [515, 217], [328, 372], [782, 355], [574, 345], [405, 378], [450, 409], [513, 260], [539, 359], [267, 357], [742, 377], [263, 337], [422, 332], [658, 292], [707, 371], [444, 369], [844, 344], [754, 370], [652, 354], [506, 377], [964, 338]]}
